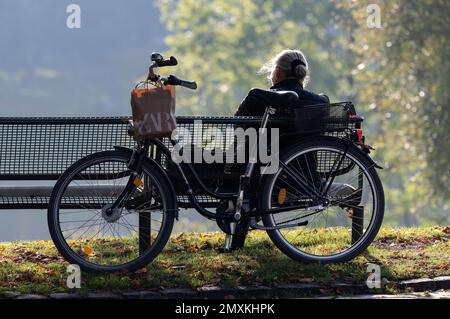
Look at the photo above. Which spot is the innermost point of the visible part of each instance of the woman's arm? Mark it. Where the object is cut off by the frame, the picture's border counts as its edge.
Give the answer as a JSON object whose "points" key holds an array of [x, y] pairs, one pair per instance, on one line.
{"points": [[250, 106]]}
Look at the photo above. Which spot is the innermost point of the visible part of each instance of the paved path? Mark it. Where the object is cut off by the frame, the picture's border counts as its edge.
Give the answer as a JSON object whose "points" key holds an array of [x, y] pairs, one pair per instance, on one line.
{"points": [[440, 294], [434, 288]]}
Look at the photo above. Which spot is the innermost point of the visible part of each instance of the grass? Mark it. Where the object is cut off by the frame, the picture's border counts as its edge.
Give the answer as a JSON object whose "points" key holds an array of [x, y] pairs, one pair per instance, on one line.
{"points": [[194, 260]]}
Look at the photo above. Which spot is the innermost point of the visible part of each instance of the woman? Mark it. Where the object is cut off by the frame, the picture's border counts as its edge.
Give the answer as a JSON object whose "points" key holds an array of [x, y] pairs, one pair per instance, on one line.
{"points": [[288, 71]]}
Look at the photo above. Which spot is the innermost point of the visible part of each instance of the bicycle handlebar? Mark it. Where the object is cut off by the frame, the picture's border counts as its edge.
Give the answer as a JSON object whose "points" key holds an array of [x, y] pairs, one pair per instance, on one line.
{"points": [[173, 80], [158, 61], [170, 62]]}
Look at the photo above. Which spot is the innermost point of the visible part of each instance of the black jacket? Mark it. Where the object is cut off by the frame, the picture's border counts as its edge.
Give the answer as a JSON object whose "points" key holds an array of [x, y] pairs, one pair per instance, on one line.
{"points": [[253, 107]]}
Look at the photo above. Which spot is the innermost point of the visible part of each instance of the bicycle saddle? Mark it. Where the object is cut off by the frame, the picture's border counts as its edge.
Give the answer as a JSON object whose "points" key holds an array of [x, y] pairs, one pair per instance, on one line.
{"points": [[274, 98]]}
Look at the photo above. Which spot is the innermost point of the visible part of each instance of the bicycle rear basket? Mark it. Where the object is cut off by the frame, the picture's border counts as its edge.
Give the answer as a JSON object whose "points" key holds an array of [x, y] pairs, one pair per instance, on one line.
{"points": [[325, 117]]}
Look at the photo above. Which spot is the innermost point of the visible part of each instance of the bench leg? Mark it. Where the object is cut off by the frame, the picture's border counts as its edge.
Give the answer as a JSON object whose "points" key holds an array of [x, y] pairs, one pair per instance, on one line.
{"points": [[357, 223], [144, 231], [240, 235], [358, 212], [145, 222], [238, 241]]}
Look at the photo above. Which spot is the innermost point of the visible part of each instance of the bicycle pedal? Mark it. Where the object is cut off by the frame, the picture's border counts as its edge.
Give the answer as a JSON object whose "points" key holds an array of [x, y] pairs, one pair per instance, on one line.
{"points": [[254, 225]]}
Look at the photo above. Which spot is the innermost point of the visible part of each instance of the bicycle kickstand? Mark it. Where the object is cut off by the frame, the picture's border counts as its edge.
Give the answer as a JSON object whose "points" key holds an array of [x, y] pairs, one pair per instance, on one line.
{"points": [[244, 181]]}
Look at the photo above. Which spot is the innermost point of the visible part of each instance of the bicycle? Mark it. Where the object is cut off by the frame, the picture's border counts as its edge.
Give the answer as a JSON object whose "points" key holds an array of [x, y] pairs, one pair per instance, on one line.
{"points": [[115, 210]]}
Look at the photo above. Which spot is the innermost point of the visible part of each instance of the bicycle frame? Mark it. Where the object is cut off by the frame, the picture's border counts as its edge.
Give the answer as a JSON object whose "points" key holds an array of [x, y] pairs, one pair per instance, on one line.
{"points": [[142, 150], [147, 188]]}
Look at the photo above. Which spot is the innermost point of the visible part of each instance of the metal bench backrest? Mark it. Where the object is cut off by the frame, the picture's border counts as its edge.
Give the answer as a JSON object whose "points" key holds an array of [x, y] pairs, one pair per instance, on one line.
{"points": [[43, 148]]}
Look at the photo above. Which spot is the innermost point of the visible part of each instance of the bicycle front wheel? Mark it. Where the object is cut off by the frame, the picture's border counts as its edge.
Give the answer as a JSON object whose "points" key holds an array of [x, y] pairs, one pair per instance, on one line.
{"points": [[328, 199], [85, 229]]}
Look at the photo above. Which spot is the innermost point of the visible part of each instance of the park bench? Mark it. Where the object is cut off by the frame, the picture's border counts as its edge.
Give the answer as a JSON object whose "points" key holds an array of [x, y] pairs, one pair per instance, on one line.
{"points": [[35, 151]]}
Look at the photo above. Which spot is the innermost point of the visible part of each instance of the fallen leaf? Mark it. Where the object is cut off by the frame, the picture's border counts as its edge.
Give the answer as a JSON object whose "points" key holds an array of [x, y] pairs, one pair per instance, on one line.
{"points": [[306, 280], [88, 250], [53, 272], [141, 271]]}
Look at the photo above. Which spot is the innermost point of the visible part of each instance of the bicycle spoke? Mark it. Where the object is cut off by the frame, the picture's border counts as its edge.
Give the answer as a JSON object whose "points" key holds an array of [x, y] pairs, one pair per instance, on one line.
{"points": [[329, 230]]}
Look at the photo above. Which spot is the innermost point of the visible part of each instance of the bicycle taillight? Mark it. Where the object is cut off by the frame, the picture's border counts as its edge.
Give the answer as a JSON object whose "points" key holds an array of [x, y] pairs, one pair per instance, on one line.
{"points": [[359, 134]]}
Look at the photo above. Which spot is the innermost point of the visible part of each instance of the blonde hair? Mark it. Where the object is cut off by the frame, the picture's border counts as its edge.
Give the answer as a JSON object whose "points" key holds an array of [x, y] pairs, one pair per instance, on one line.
{"points": [[283, 62]]}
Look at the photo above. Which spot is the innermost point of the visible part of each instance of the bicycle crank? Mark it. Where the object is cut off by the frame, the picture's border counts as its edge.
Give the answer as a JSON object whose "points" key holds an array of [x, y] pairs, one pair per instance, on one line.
{"points": [[254, 225]]}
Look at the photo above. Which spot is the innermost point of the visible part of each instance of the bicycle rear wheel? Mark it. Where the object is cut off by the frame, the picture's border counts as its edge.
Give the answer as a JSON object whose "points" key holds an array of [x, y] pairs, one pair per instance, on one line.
{"points": [[88, 233], [336, 229]]}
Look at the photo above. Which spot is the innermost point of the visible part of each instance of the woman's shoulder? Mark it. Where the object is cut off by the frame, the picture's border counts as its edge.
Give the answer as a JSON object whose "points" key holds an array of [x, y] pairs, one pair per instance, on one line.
{"points": [[305, 95]]}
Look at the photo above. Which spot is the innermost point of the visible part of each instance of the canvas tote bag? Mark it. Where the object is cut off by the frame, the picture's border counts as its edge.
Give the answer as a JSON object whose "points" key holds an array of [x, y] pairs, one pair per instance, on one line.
{"points": [[153, 112]]}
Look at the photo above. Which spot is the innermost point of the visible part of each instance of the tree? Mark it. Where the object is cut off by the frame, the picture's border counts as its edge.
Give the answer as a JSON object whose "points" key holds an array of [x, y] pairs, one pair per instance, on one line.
{"points": [[402, 71], [222, 45], [397, 76]]}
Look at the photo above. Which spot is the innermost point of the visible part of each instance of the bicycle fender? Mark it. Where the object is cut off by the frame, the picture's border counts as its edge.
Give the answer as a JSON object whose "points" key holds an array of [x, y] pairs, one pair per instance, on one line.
{"points": [[352, 145], [372, 162], [154, 164]]}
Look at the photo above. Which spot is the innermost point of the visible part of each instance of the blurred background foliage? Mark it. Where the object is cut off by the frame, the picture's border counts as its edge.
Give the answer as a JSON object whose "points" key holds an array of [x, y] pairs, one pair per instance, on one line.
{"points": [[223, 44], [403, 75], [397, 75]]}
